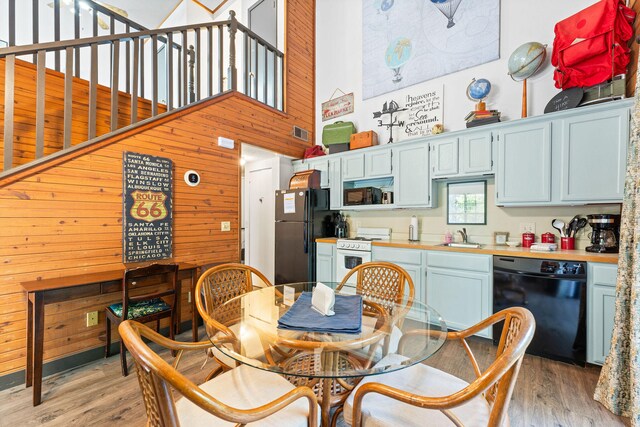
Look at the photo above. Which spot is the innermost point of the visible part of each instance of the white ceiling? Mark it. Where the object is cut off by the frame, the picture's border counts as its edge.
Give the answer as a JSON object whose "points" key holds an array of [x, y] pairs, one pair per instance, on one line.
{"points": [[150, 13]]}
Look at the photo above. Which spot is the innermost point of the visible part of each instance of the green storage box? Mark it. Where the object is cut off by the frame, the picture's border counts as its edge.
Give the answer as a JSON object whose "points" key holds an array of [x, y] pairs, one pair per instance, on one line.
{"points": [[337, 133]]}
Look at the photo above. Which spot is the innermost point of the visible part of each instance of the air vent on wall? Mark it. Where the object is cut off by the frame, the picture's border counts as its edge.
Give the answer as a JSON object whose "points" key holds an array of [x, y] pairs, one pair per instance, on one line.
{"points": [[301, 133]]}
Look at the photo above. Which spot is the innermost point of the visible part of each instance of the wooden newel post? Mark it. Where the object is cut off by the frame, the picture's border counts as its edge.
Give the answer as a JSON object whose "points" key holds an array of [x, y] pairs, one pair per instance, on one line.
{"points": [[233, 72], [192, 62]]}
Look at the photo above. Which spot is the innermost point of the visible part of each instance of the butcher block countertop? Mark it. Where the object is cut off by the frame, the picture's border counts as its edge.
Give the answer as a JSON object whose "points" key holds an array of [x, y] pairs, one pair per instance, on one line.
{"points": [[577, 255]]}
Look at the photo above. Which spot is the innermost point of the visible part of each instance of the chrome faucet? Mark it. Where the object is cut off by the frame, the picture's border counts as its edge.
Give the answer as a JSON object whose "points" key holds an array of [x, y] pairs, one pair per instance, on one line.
{"points": [[464, 235]]}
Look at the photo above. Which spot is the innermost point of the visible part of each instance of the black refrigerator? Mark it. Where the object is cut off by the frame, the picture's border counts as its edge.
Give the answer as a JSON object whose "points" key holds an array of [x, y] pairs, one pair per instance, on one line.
{"points": [[302, 216]]}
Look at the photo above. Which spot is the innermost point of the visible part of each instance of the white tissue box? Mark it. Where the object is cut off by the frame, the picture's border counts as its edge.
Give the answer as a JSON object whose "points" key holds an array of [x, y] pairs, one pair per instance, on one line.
{"points": [[323, 299]]}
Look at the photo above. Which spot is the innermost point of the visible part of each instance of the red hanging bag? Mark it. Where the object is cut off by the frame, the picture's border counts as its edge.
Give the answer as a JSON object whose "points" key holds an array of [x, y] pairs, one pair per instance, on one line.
{"points": [[314, 151], [590, 47]]}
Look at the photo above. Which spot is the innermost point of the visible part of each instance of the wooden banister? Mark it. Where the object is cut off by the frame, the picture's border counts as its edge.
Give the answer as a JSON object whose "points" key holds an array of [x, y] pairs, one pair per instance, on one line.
{"points": [[175, 81]]}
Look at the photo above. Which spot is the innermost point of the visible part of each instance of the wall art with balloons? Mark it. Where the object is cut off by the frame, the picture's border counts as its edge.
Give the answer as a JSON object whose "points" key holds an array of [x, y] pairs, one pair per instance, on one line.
{"points": [[411, 41]]}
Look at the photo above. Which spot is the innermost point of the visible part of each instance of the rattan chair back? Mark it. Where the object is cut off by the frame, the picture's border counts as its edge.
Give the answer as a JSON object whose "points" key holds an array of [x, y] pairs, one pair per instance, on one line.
{"points": [[384, 283]]}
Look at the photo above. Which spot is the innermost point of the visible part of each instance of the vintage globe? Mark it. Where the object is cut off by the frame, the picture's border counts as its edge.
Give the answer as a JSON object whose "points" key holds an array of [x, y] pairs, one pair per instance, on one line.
{"points": [[478, 89], [526, 60]]}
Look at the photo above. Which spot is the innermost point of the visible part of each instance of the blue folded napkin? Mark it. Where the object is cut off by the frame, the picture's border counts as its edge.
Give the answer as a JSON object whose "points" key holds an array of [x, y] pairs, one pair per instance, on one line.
{"points": [[302, 317]]}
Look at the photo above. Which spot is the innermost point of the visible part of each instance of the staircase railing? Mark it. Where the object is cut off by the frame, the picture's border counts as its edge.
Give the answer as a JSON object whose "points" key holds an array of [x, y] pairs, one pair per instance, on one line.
{"points": [[72, 19], [216, 52]]}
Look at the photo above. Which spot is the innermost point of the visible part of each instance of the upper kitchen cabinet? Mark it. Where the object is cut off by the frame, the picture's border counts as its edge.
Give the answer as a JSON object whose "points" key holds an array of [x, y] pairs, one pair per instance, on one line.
{"points": [[467, 156], [523, 173], [378, 163], [444, 158], [300, 165], [366, 164], [352, 166], [412, 185], [476, 154], [593, 154], [321, 164], [335, 183]]}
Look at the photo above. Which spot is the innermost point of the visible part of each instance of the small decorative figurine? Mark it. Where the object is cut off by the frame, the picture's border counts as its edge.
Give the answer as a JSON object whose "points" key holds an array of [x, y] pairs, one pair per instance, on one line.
{"points": [[437, 128]]}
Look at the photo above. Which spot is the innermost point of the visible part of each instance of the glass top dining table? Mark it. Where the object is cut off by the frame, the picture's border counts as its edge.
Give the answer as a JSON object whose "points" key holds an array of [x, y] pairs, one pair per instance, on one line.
{"points": [[392, 336]]}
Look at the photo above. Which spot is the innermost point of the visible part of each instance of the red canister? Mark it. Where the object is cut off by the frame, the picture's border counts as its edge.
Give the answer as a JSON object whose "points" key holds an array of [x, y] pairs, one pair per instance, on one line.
{"points": [[527, 239], [548, 238]]}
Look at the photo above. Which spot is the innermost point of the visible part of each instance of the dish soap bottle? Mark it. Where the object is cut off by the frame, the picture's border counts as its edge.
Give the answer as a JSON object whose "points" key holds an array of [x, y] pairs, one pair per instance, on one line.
{"points": [[448, 237]]}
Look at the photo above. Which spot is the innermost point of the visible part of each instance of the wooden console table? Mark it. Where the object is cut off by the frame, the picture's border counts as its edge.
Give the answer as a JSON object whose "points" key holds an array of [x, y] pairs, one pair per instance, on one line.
{"points": [[48, 291]]}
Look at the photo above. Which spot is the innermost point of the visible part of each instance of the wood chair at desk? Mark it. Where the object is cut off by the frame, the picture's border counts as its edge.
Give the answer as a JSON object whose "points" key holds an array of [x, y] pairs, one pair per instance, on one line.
{"points": [[42, 292], [143, 308]]}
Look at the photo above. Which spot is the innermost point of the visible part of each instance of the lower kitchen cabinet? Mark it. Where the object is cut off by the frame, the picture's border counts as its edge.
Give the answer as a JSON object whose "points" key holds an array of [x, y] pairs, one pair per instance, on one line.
{"points": [[601, 305], [414, 262], [325, 262], [459, 288]]}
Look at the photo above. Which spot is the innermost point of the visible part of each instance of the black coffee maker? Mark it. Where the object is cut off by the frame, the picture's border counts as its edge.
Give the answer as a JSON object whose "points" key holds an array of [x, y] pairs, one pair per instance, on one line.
{"points": [[341, 231], [605, 234]]}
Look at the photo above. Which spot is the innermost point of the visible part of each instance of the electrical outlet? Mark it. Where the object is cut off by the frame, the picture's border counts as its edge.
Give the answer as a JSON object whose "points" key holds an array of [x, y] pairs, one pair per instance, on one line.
{"points": [[92, 318], [528, 227], [189, 297], [225, 226]]}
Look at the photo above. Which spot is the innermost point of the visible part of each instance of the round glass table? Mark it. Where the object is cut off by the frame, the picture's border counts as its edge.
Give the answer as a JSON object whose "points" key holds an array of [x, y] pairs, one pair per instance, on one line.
{"points": [[391, 337]]}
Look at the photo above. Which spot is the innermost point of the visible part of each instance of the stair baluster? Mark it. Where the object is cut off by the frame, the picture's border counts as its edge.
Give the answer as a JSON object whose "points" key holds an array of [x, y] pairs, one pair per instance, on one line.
{"points": [[260, 78]]}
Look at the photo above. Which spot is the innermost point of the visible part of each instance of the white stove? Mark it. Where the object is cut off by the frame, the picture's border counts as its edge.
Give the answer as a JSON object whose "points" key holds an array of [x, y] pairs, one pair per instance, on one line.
{"points": [[352, 252], [355, 244]]}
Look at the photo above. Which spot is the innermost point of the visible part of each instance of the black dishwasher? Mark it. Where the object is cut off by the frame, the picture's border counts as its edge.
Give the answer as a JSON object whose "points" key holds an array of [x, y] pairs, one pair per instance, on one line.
{"points": [[555, 291]]}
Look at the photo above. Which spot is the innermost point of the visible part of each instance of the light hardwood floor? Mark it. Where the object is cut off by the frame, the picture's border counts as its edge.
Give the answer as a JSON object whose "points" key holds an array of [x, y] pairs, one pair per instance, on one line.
{"points": [[547, 393]]}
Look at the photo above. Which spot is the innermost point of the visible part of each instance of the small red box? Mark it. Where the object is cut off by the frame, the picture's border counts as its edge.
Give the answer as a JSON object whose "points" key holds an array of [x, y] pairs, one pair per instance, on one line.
{"points": [[363, 139]]}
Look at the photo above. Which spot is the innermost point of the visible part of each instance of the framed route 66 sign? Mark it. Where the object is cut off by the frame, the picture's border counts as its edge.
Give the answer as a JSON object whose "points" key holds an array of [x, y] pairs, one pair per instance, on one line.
{"points": [[147, 227]]}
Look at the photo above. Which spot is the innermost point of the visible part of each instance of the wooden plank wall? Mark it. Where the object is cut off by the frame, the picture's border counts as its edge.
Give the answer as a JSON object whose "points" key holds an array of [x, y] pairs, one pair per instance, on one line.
{"points": [[65, 217], [25, 106]]}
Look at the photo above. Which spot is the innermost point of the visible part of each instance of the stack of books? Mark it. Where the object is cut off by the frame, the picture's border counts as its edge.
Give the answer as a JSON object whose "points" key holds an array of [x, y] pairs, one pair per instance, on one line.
{"points": [[483, 117]]}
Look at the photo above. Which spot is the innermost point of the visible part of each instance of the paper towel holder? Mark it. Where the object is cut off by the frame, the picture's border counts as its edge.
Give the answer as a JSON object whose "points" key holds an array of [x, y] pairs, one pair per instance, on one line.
{"points": [[413, 229]]}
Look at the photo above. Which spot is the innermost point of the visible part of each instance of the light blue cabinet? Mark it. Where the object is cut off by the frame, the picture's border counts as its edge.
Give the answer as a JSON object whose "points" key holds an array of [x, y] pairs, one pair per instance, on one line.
{"points": [[412, 183], [413, 261], [594, 154], [300, 165], [321, 164], [444, 158], [523, 173], [378, 163], [459, 287], [601, 304], [353, 166], [476, 154], [325, 262], [335, 183]]}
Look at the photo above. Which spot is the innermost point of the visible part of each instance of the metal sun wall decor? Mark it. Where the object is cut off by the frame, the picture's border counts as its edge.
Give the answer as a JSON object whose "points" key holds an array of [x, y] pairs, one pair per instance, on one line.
{"points": [[389, 108], [412, 41]]}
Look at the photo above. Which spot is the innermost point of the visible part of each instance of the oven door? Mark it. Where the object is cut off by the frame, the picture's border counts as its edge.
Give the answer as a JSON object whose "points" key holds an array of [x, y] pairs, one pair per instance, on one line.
{"points": [[346, 260]]}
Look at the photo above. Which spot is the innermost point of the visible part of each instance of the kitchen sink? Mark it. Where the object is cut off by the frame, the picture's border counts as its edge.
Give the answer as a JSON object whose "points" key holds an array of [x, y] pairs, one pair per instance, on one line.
{"points": [[462, 245]]}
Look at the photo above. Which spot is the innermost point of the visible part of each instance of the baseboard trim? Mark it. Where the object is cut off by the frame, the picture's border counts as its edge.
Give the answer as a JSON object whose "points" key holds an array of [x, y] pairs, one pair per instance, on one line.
{"points": [[73, 361]]}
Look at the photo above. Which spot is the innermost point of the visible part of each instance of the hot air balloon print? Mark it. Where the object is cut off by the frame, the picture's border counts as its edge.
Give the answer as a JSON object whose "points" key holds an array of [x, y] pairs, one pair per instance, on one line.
{"points": [[448, 9], [397, 54]]}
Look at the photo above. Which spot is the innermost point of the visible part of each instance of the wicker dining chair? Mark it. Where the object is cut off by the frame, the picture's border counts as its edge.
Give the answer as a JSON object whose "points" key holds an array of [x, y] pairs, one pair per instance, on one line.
{"points": [[241, 395], [215, 287], [384, 283], [410, 396]]}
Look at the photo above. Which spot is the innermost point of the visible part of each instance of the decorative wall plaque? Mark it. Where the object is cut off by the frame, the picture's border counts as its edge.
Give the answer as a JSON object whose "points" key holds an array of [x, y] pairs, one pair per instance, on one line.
{"points": [[147, 229], [336, 107], [424, 111]]}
